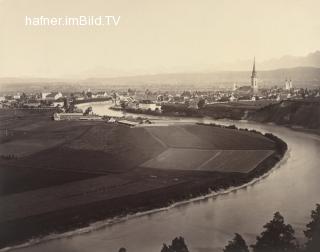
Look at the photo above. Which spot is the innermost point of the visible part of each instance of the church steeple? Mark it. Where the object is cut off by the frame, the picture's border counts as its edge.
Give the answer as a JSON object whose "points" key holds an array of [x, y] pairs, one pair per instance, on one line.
{"points": [[254, 81], [254, 73]]}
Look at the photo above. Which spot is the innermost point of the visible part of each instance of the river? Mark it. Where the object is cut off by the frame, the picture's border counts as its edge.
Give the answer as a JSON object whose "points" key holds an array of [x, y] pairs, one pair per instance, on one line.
{"points": [[292, 188]]}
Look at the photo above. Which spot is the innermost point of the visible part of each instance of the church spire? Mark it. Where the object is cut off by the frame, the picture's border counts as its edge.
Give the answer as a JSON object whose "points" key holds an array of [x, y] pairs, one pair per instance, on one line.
{"points": [[254, 73], [254, 81]]}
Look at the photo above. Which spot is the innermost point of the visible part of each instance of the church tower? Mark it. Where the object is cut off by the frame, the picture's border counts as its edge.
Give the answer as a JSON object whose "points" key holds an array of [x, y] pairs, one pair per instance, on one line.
{"points": [[254, 80]]}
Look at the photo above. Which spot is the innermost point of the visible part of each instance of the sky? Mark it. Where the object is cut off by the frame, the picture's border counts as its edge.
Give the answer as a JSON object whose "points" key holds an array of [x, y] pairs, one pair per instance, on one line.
{"points": [[153, 36]]}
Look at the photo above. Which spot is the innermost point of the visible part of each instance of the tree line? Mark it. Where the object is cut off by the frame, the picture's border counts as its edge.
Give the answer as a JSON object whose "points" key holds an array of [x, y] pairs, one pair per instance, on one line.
{"points": [[277, 236]]}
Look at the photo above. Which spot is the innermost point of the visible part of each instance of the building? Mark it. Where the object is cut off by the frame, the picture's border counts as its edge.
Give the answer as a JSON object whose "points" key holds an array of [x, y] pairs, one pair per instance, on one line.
{"points": [[53, 96], [235, 86], [67, 116], [17, 96], [254, 79], [58, 103], [75, 116], [288, 85], [32, 104], [148, 105], [250, 90], [100, 95], [44, 95]]}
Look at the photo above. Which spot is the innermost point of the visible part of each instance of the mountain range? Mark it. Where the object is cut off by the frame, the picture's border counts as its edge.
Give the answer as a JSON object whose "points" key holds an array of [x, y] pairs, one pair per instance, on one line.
{"points": [[303, 71]]}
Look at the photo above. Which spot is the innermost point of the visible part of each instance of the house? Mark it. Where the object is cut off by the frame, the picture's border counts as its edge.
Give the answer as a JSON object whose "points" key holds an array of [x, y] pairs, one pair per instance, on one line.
{"points": [[232, 98], [77, 96], [112, 120], [44, 95], [32, 104], [128, 123], [75, 116], [67, 116], [16, 96], [148, 105], [100, 95], [53, 96], [58, 103], [132, 105]]}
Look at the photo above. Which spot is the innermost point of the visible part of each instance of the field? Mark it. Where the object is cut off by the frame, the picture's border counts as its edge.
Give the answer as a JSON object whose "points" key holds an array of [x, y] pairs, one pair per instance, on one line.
{"points": [[236, 160], [47, 153], [180, 159], [205, 148], [73, 172]]}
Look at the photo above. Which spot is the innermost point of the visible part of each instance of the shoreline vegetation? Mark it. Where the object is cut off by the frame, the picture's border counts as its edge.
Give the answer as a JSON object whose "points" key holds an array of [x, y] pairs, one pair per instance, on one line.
{"points": [[295, 114], [276, 237], [22, 230]]}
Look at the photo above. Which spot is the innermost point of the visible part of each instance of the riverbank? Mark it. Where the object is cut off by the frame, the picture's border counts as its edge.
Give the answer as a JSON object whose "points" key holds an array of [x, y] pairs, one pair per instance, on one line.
{"points": [[184, 185], [291, 113]]}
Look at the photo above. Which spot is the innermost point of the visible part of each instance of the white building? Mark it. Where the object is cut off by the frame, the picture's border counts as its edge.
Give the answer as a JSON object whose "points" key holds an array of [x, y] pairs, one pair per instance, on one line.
{"points": [[57, 103], [16, 96], [235, 86], [44, 95], [148, 105], [288, 85], [53, 96]]}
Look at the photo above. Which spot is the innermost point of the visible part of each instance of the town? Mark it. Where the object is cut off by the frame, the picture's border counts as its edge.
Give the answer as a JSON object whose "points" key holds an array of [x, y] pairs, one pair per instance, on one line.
{"points": [[148, 101]]}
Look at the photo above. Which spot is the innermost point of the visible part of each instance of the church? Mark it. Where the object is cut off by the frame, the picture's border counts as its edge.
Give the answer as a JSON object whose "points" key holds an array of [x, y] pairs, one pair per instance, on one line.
{"points": [[254, 80], [251, 90]]}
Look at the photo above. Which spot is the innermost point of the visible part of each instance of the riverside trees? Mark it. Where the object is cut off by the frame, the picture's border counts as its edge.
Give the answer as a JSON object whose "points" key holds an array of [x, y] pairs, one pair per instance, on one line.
{"points": [[313, 231], [177, 245], [277, 237], [238, 244]]}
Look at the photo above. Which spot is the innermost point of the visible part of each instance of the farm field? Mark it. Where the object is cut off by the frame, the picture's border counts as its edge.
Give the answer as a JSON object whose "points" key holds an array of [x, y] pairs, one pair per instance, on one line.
{"points": [[208, 160], [56, 170], [177, 136], [180, 159], [236, 160], [74, 194], [61, 152], [226, 139]]}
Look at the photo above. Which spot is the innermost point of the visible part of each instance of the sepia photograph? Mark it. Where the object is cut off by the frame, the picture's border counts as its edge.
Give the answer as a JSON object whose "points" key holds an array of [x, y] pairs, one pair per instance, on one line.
{"points": [[159, 126]]}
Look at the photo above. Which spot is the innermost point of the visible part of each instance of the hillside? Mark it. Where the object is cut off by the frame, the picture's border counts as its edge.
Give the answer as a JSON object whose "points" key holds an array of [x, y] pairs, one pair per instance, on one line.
{"points": [[294, 113]]}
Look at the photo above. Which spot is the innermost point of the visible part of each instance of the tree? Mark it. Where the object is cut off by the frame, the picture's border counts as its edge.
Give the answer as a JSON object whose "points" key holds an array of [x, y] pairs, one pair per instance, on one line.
{"points": [[122, 250], [165, 248], [201, 103], [238, 244], [88, 111], [177, 245], [277, 237], [313, 231]]}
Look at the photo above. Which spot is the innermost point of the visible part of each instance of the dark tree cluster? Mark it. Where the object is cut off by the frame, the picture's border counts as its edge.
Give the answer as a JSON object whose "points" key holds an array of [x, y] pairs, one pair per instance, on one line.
{"points": [[279, 237], [238, 244], [276, 237], [177, 245]]}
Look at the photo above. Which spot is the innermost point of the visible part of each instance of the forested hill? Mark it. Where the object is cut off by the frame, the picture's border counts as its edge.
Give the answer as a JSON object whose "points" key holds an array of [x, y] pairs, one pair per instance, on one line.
{"points": [[299, 113]]}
